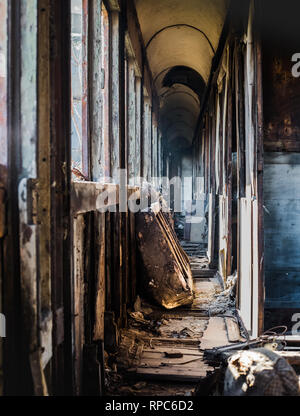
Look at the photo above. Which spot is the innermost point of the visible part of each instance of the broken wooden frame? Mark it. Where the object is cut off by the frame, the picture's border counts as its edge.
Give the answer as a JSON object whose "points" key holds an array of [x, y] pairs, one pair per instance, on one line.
{"points": [[167, 275], [235, 85]]}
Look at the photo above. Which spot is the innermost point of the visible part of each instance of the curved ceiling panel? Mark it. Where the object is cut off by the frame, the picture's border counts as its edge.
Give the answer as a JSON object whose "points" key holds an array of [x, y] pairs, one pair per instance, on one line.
{"points": [[186, 76], [182, 92], [178, 114], [173, 47], [181, 38], [182, 45]]}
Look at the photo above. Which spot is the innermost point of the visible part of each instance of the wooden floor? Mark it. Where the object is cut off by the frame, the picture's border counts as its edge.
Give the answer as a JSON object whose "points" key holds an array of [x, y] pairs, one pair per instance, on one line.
{"points": [[167, 358]]}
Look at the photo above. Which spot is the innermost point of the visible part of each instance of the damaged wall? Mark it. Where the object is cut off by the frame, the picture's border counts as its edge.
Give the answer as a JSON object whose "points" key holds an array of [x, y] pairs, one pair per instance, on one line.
{"points": [[281, 168], [233, 138]]}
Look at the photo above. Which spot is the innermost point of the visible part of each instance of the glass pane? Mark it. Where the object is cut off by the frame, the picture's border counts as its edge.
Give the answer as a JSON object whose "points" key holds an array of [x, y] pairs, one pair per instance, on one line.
{"points": [[79, 87]]}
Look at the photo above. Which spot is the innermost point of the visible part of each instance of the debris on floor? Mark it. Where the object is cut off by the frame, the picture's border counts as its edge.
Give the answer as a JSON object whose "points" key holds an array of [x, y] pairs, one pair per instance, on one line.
{"points": [[205, 292], [198, 349], [260, 372], [184, 327], [224, 301], [162, 351], [167, 273]]}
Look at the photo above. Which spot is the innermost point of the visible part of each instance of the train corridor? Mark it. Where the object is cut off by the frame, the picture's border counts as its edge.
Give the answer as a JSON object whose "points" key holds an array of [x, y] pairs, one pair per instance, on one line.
{"points": [[148, 194]]}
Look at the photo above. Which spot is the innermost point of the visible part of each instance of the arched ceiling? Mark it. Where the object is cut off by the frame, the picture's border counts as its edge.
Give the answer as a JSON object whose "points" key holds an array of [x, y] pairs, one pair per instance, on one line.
{"points": [[186, 76], [179, 33], [179, 109]]}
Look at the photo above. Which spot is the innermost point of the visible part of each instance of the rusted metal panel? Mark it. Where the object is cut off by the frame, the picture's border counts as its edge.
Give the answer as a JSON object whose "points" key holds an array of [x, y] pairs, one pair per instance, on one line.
{"points": [[281, 93], [281, 218]]}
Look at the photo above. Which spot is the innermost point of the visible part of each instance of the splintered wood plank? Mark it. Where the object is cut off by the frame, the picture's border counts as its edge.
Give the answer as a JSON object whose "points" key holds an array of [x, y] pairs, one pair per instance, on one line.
{"points": [[178, 373], [233, 330], [215, 334], [161, 361], [165, 375], [179, 342], [159, 364], [159, 350], [100, 279]]}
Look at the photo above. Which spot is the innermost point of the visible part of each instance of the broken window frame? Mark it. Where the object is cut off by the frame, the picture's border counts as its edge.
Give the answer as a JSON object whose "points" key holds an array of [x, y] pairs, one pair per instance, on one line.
{"points": [[79, 103], [131, 118], [105, 88], [115, 95], [147, 127], [154, 146], [138, 121]]}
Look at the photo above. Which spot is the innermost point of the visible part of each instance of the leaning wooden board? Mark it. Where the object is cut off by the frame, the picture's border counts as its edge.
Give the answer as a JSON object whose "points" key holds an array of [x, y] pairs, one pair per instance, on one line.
{"points": [[167, 274]]}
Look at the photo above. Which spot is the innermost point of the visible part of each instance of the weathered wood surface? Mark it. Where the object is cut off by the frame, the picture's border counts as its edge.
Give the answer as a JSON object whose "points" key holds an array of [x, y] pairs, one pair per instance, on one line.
{"points": [[189, 368], [215, 334], [93, 196], [233, 330], [167, 277], [78, 282], [173, 359], [100, 279]]}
